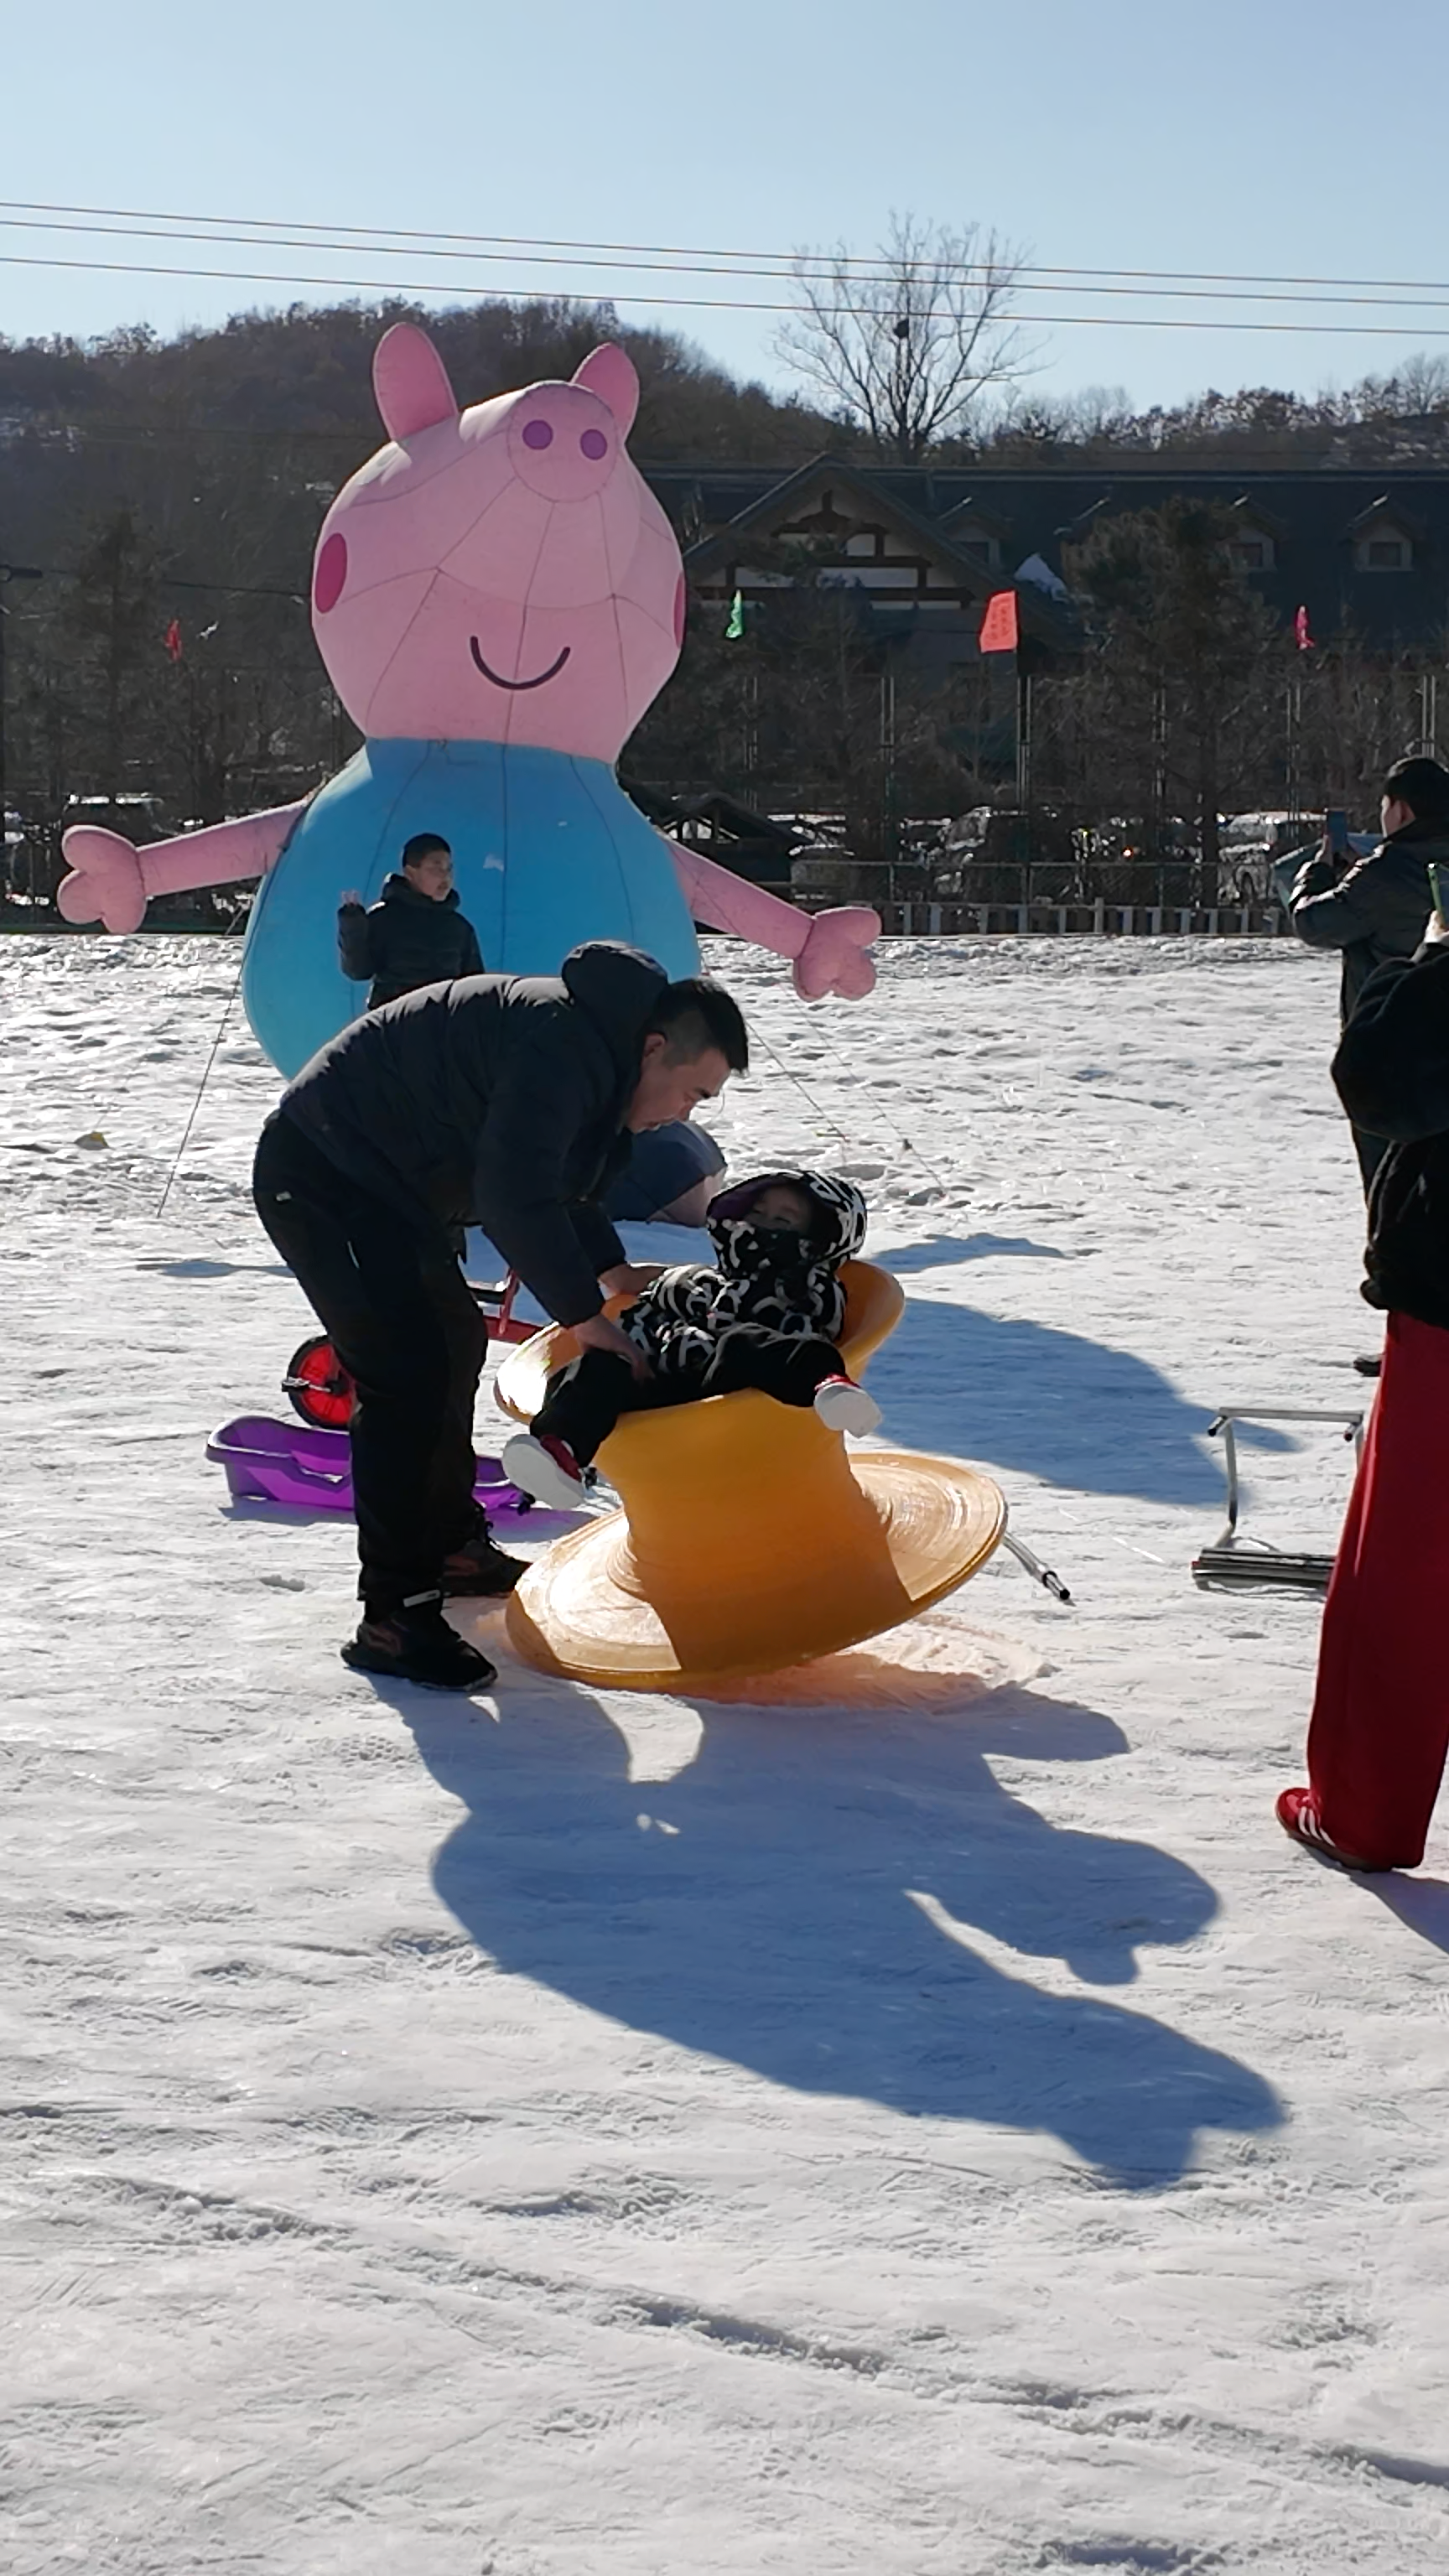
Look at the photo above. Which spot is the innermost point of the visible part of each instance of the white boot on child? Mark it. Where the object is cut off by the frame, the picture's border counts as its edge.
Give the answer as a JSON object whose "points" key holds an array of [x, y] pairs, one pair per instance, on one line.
{"points": [[844, 1406], [547, 1469]]}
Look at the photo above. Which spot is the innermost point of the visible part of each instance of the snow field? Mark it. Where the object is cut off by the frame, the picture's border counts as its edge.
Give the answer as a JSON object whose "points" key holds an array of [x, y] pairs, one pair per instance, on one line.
{"points": [[919, 2115]]}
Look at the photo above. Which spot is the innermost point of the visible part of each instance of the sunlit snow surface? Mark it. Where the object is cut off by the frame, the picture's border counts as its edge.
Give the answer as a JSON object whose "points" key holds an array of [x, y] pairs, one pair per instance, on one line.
{"points": [[937, 2127]]}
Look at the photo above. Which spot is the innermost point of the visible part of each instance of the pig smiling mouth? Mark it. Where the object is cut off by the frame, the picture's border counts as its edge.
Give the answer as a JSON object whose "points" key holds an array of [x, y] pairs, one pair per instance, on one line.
{"points": [[499, 682]]}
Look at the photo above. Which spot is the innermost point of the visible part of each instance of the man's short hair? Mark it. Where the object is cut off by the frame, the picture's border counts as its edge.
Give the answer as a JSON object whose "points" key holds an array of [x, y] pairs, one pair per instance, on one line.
{"points": [[696, 1014], [422, 846], [1422, 785]]}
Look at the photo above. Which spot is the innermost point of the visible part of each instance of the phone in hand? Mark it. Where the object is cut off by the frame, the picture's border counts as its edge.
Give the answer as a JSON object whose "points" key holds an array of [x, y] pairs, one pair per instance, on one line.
{"points": [[1335, 830], [1439, 888]]}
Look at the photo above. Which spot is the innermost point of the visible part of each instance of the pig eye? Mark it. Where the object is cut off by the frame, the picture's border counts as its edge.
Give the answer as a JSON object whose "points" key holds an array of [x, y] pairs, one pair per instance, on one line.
{"points": [[538, 434], [594, 444], [331, 572]]}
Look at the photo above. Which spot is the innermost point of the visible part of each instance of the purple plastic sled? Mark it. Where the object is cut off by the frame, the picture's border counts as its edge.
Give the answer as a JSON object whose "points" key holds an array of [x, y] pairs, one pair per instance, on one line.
{"points": [[285, 1462]]}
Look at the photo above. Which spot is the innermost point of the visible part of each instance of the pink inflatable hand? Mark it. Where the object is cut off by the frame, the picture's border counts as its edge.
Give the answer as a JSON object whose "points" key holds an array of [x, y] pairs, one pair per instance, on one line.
{"points": [[833, 959], [105, 881]]}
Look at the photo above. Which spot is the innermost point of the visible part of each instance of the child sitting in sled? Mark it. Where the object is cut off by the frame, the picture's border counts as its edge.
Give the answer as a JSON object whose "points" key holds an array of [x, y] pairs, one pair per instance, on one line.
{"points": [[767, 1317]]}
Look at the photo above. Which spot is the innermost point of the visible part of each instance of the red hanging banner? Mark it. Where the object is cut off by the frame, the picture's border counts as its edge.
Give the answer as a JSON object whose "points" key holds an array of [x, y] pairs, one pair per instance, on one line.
{"points": [[999, 626]]}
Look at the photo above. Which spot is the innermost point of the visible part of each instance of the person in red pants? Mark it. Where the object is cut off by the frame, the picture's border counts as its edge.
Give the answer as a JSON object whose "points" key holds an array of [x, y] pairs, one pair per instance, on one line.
{"points": [[1380, 1727]]}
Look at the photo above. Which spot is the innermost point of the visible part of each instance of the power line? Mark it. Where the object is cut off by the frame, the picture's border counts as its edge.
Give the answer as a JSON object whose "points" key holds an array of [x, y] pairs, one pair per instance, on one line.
{"points": [[171, 581], [710, 304], [726, 264], [785, 261]]}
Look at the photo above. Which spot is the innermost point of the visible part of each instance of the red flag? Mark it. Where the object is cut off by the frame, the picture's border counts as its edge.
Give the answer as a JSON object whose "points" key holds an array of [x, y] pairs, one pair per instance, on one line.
{"points": [[998, 626], [1300, 629], [173, 639]]}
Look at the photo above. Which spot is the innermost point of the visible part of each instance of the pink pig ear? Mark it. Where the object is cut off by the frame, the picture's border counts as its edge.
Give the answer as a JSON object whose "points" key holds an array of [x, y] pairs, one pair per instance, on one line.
{"points": [[608, 373], [410, 382]]}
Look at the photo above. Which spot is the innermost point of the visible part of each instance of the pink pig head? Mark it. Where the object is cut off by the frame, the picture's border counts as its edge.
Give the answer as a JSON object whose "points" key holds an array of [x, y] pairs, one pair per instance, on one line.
{"points": [[502, 574]]}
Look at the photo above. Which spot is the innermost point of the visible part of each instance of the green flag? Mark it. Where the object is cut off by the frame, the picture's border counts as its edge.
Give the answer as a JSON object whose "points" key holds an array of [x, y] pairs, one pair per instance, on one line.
{"points": [[734, 632]]}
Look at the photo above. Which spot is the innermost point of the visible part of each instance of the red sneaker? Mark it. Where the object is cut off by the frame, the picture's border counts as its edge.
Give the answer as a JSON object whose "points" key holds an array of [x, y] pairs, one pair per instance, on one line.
{"points": [[1297, 1813], [546, 1468]]}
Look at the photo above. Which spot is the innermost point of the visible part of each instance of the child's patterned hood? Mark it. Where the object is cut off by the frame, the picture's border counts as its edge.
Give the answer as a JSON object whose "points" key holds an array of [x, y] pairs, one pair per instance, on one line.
{"points": [[836, 1235], [770, 1286]]}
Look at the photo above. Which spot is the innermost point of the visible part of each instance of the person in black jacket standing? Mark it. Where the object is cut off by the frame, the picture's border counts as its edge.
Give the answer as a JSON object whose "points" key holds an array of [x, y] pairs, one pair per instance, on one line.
{"points": [[503, 1101], [415, 934], [1377, 906], [1380, 1726]]}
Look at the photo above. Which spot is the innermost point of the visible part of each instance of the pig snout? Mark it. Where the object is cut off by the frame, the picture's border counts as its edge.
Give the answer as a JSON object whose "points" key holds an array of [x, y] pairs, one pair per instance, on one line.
{"points": [[563, 442]]}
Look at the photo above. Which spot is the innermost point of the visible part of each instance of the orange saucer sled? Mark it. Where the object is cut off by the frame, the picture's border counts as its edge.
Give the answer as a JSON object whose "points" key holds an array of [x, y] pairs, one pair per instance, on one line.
{"points": [[750, 1537]]}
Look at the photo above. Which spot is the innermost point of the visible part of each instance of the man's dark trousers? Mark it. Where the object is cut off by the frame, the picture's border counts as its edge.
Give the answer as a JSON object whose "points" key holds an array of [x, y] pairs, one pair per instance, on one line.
{"points": [[409, 1334]]}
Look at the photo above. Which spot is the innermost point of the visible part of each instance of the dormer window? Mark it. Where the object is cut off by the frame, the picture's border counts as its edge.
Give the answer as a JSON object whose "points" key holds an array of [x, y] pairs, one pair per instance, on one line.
{"points": [[1384, 537], [1384, 549], [977, 534], [1252, 547]]}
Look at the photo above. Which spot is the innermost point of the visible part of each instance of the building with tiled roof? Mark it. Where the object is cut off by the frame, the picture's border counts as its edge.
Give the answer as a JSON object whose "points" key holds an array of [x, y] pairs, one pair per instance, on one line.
{"points": [[1364, 549]]}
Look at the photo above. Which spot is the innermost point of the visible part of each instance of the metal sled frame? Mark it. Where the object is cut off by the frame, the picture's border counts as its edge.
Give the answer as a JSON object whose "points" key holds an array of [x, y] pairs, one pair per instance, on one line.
{"points": [[1232, 1561]]}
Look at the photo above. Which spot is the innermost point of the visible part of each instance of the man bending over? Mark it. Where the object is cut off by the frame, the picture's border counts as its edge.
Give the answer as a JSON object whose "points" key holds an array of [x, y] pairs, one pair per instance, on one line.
{"points": [[502, 1101]]}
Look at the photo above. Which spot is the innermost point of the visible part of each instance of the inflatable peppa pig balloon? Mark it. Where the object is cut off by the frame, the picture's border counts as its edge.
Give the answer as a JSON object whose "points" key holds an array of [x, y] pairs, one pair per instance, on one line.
{"points": [[498, 597]]}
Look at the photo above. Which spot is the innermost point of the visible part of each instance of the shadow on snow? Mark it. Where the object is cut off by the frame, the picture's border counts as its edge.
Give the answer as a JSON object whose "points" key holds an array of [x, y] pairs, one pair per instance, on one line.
{"points": [[800, 1900], [1006, 1393]]}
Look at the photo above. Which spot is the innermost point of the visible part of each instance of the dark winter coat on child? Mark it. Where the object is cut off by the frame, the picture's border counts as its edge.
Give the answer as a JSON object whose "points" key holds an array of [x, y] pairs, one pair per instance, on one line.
{"points": [[405, 941], [769, 1286]]}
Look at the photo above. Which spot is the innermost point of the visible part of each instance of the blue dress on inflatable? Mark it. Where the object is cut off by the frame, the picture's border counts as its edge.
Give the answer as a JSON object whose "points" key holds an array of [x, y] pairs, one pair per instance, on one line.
{"points": [[547, 851]]}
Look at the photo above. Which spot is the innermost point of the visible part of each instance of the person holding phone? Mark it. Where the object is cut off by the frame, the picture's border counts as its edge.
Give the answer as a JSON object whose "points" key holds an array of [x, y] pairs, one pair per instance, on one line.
{"points": [[1374, 908], [1380, 1725]]}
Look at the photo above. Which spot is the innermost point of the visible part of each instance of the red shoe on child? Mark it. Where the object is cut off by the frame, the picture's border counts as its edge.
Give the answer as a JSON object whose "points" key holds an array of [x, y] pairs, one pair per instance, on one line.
{"points": [[545, 1468]]}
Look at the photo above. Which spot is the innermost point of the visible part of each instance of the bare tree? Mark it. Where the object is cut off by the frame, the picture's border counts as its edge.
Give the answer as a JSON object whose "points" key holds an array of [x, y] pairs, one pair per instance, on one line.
{"points": [[1181, 684], [907, 342]]}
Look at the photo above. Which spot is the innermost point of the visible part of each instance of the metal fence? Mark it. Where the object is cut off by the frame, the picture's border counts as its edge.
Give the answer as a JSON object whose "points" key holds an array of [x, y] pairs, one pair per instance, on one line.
{"points": [[1100, 919]]}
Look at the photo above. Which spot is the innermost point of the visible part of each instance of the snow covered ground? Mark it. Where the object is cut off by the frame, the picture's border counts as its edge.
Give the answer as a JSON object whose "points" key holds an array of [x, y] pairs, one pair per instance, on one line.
{"points": [[933, 2122]]}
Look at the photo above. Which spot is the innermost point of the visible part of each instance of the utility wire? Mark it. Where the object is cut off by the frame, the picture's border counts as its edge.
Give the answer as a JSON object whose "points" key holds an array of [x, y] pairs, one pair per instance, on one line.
{"points": [[727, 264], [866, 266], [170, 581], [710, 303]]}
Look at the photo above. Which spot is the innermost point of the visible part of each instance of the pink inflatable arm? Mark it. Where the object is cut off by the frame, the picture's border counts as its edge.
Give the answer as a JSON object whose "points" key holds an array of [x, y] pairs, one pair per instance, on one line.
{"points": [[828, 947], [112, 882]]}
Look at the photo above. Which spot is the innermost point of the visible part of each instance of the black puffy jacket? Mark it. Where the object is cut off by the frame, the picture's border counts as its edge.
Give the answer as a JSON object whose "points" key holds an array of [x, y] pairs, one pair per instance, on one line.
{"points": [[1376, 910], [496, 1101], [405, 941], [1392, 1072]]}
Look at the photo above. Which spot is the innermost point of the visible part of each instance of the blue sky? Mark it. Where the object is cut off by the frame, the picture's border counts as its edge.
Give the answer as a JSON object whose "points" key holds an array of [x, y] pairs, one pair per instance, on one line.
{"points": [[1281, 137]]}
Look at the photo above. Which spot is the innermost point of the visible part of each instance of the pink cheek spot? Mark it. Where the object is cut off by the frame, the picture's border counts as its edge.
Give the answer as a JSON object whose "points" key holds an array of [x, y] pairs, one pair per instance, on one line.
{"points": [[679, 604], [331, 573], [537, 433], [594, 445]]}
